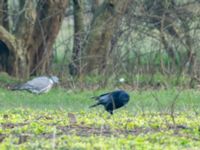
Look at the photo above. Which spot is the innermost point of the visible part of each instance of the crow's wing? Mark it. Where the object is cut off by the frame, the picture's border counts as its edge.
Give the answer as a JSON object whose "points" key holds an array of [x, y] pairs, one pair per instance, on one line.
{"points": [[98, 97], [105, 98], [104, 94]]}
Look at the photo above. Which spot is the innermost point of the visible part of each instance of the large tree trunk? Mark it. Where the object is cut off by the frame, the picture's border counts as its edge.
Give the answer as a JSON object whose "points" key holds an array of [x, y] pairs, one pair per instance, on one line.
{"points": [[50, 15], [29, 50], [26, 20], [11, 54], [103, 26], [74, 66]]}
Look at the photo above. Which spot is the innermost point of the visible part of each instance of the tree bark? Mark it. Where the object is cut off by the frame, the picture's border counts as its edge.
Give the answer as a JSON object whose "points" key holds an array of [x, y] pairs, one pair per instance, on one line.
{"points": [[12, 53], [103, 26], [50, 15], [4, 20], [24, 29], [29, 49], [25, 23], [95, 5], [74, 66]]}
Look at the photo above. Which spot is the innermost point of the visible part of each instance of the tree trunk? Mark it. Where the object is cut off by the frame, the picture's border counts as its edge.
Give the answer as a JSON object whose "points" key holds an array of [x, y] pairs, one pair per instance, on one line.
{"points": [[103, 26], [95, 5], [11, 54], [191, 53], [29, 50], [24, 30], [4, 20], [74, 66], [25, 23], [50, 15]]}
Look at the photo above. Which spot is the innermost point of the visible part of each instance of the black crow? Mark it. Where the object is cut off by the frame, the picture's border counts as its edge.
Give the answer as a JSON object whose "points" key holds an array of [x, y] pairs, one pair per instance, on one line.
{"points": [[112, 100]]}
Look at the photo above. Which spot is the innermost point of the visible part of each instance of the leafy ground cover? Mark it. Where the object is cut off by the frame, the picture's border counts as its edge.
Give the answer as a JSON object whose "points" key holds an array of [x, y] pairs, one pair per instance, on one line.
{"points": [[61, 119]]}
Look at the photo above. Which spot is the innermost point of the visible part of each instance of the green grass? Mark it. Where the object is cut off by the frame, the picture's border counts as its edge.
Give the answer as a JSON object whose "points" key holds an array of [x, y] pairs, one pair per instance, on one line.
{"points": [[61, 119], [79, 100]]}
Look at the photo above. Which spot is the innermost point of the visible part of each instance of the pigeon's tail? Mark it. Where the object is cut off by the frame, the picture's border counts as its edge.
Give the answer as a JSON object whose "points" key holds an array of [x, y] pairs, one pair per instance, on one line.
{"points": [[17, 87], [94, 105]]}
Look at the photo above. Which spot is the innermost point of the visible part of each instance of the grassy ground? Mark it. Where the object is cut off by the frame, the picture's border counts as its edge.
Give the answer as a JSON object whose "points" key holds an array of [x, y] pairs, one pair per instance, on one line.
{"points": [[79, 100], [61, 119]]}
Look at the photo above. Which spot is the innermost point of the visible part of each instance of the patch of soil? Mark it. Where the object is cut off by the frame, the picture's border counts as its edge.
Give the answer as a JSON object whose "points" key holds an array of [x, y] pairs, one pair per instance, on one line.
{"points": [[2, 137], [12, 125], [23, 138], [102, 131]]}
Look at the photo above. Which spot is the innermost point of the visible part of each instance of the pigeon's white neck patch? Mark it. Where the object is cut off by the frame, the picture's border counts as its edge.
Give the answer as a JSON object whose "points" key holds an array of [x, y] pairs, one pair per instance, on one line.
{"points": [[50, 80]]}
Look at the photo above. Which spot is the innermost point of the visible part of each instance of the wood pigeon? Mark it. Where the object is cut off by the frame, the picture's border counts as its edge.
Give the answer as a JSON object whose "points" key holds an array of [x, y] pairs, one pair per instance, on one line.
{"points": [[38, 85]]}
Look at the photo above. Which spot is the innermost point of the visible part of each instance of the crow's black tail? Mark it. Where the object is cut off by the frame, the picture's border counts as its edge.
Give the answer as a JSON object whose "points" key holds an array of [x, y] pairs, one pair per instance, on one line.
{"points": [[95, 98], [94, 105]]}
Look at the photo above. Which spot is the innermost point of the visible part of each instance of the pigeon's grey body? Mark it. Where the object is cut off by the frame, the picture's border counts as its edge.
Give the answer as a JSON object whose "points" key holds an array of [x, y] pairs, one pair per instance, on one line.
{"points": [[38, 85], [112, 100]]}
